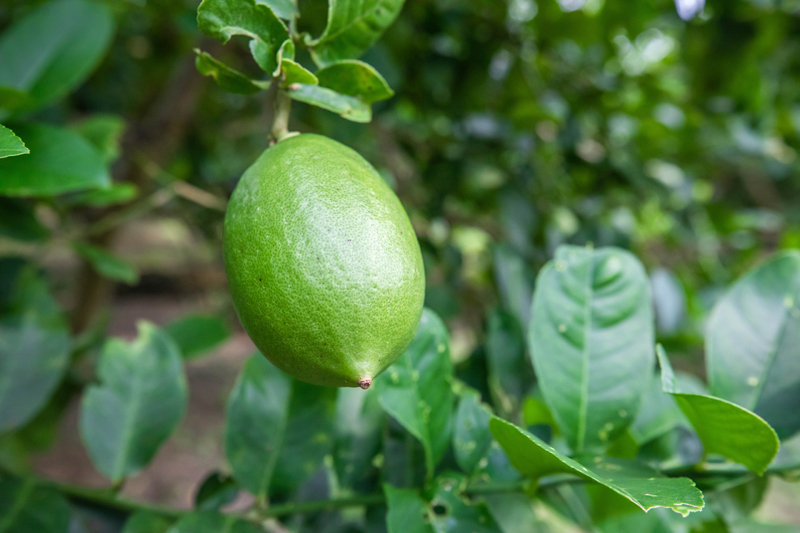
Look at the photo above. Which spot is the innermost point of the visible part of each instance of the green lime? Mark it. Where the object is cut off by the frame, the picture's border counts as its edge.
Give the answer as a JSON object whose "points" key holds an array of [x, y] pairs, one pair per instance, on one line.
{"points": [[323, 264]]}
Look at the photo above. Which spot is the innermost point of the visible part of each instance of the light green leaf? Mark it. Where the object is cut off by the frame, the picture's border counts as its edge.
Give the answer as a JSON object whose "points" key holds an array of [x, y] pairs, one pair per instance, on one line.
{"points": [[198, 334], [278, 429], [645, 487], [417, 389], [471, 436], [591, 338], [359, 434], [34, 351], [346, 106], [408, 513], [510, 372], [25, 507], [227, 78], [353, 26], [223, 19], [514, 513], [146, 522], [104, 132], [752, 343], [54, 48], [118, 193], [60, 161], [514, 283], [451, 512], [724, 427], [284, 9], [657, 415], [296, 73], [10, 144], [213, 522], [107, 264], [139, 402], [355, 78], [13, 99]]}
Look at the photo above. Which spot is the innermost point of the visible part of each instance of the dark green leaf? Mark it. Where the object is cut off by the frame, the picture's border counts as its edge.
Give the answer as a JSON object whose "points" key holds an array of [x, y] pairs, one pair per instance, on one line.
{"points": [[226, 77], [355, 78], [104, 132], [451, 512], [752, 340], [645, 487], [408, 513], [296, 73], [513, 282], [417, 389], [514, 513], [140, 401], [198, 334], [346, 106], [510, 372], [278, 429], [18, 221], [591, 338], [213, 522], [107, 264], [118, 193], [359, 426], [13, 99], [60, 161], [53, 49], [146, 522], [724, 427], [223, 19], [471, 436], [284, 9], [10, 144], [26, 508], [216, 491], [34, 351], [353, 26]]}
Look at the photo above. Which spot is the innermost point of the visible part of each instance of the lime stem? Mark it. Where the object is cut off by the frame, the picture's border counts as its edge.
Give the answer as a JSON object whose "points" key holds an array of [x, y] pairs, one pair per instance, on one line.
{"points": [[280, 124]]}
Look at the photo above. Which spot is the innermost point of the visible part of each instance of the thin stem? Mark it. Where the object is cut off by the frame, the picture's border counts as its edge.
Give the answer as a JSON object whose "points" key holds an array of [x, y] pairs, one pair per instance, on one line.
{"points": [[324, 505], [280, 124]]}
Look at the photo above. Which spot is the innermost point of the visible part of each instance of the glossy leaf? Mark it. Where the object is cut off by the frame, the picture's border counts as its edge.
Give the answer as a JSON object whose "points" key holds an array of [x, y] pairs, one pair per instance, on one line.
{"points": [[213, 522], [640, 484], [146, 522], [451, 512], [417, 389], [26, 507], [227, 78], [198, 334], [408, 513], [10, 144], [139, 402], [34, 351], [278, 429], [104, 132], [353, 26], [510, 372], [657, 415], [752, 343], [107, 264], [295, 73], [471, 436], [513, 513], [60, 161], [591, 338], [724, 427], [355, 78], [54, 49], [359, 433], [346, 106], [223, 19], [216, 491], [284, 9]]}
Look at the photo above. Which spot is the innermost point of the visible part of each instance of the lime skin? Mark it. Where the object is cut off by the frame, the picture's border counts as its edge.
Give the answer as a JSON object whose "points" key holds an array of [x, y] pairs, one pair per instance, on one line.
{"points": [[323, 265]]}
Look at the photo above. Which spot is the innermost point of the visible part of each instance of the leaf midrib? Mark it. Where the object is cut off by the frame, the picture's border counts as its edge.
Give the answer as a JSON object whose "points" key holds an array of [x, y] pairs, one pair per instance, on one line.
{"points": [[281, 433], [127, 429], [583, 409]]}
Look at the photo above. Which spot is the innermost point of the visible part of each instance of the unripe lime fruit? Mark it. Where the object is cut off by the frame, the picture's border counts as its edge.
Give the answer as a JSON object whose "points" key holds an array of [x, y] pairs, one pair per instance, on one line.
{"points": [[324, 268]]}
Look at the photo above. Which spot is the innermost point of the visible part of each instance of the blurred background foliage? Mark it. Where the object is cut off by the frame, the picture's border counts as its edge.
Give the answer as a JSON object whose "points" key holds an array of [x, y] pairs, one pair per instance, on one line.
{"points": [[517, 126]]}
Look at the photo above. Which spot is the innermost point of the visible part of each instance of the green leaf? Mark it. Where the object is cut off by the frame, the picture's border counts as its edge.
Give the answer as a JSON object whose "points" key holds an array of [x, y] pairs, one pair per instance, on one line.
{"points": [[417, 389], [355, 78], [513, 513], [107, 264], [724, 427], [645, 487], [146, 522], [359, 426], [10, 144], [213, 522], [296, 73], [513, 282], [408, 513], [752, 340], [353, 26], [227, 78], [285, 9], [510, 372], [471, 436], [450, 511], [34, 351], [198, 334], [14, 99], [60, 161], [25, 507], [346, 106], [223, 19], [139, 402], [104, 132], [216, 491], [657, 415], [54, 48], [278, 429], [18, 221], [118, 193], [591, 338]]}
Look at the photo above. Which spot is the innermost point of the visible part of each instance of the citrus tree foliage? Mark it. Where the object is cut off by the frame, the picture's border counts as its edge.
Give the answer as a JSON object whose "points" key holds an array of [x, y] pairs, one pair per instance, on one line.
{"points": [[586, 179]]}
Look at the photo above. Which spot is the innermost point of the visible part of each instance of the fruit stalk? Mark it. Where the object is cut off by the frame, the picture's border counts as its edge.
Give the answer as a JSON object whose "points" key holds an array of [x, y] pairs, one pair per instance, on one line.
{"points": [[280, 124]]}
